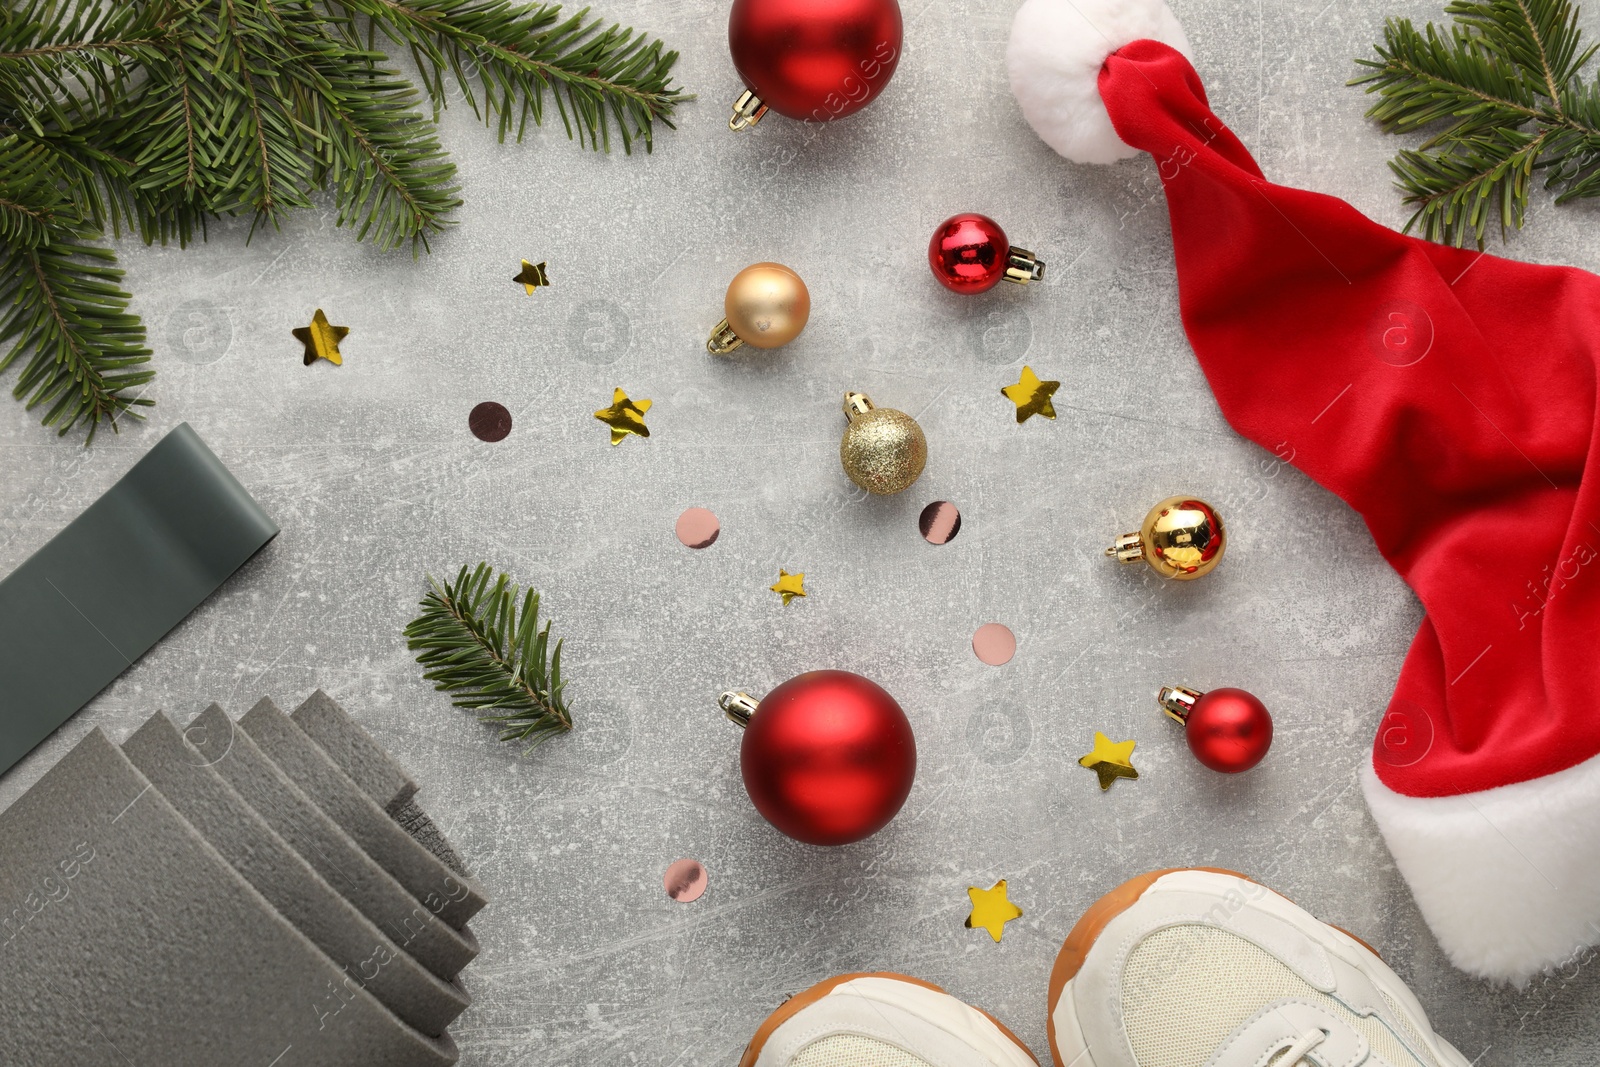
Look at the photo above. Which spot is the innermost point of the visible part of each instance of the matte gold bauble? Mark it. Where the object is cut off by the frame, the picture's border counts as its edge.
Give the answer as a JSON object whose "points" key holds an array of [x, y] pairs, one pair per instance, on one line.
{"points": [[1182, 538], [767, 306], [883, 450]]}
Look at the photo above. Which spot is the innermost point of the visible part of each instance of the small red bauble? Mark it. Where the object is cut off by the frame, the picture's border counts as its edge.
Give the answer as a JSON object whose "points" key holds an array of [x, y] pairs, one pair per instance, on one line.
{"points": [[1228, 730], [828, 757], [969, 254], [812, 59]]}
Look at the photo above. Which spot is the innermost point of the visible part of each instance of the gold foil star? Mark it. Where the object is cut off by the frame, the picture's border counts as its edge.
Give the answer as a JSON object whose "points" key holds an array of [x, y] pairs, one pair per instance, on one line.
{"points": [[321, 339], [624, 416], [1031, 396], [1110, 760], [789, 585], [531, 276], [991, 910]]}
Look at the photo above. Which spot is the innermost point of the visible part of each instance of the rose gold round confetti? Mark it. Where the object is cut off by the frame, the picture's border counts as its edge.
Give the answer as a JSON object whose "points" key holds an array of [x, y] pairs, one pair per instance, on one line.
{"points": [[994, 644], [940, 522], [685, 880], [489, 421], [698, 527]]}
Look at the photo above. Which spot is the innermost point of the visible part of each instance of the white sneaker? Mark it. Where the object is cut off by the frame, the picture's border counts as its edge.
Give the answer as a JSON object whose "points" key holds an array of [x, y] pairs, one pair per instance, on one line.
{"points": [[1205, 968], [882, 1020]]}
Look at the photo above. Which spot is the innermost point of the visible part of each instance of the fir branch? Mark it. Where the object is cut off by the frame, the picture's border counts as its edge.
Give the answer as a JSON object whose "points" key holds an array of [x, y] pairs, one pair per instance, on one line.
{"points": [[474, 643], [596, 76], [70, 316], [1503, 89]]}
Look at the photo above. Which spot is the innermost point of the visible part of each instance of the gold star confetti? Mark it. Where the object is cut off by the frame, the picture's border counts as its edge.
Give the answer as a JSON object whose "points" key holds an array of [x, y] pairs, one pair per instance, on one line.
{"points": [[321, 339], [789, 585], [1110, 760], [1031, 396], [624, 416], [531, 276], [991, 910]]}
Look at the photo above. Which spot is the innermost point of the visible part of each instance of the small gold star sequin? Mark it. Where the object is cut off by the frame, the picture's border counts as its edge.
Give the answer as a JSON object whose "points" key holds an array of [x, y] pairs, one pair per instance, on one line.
{"points": [[532, 276], [321, 339], [1031, 396], [789, 585], [1110, 760], [624, 416], [991, 910]]}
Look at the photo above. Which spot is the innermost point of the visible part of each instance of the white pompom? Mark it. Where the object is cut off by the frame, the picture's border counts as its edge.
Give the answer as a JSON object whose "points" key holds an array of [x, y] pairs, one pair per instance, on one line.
{"points": [[1056, 51]]}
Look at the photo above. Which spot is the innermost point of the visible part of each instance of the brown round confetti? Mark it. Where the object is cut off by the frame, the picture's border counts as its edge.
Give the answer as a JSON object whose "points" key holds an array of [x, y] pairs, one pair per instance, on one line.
{"points": [[685, 880], [994, 644], [698, 527], [940, 522], [489, 421]]}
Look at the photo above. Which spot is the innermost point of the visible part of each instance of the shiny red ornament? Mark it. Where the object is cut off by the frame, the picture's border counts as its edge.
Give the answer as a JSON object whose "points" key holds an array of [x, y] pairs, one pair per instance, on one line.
{"points": [[828, 757], [1228, 730], [812, 59], [970, 254]]}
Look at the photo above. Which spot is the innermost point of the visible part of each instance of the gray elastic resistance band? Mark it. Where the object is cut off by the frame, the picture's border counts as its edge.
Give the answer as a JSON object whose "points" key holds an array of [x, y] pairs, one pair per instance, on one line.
{"points": [[84, 607]]}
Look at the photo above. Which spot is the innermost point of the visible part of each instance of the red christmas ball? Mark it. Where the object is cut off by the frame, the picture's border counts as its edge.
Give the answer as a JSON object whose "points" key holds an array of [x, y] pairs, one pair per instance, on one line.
{"points": [[828, 757], [815, 59], [1229, 730], [969, 253]]}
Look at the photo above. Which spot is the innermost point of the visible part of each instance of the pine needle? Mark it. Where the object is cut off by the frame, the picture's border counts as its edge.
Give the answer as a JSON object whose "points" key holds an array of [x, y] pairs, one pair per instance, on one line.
{"points": [[1502, 91], [476, 644]]}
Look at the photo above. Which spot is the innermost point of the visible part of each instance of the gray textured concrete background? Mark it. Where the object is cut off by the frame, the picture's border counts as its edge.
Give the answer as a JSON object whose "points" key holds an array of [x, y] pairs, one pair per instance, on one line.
{"points": [[376, 481]]}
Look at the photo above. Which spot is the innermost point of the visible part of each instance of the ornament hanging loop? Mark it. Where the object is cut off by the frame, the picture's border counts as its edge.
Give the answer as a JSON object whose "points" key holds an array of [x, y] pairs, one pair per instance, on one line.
{"points": [[723, 340], [747, 111], [1022, 266], [1178, 701], [739, 707]]}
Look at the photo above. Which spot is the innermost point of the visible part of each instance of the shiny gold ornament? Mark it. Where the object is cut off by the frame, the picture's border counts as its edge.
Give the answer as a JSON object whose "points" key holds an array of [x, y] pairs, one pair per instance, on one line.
{"points": [[1182, 538], [767, 306], [1031, 396], [624, 416], [532, 276], [321, 339], [1110, 760], [991, 909], [789, 585], [883, 450]]}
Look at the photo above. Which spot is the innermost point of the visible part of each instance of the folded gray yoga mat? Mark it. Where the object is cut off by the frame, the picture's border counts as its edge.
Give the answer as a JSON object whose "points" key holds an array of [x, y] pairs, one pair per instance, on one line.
{"points": [[453, 897], [100, 593], [320, 841], [128, 940], [300, 895]]}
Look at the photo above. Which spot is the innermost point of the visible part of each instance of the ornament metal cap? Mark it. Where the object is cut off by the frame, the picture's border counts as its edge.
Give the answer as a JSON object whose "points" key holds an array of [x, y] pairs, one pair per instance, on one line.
{"points": [[747, 111], [1022, 266], [1178, 701], [723, 340], [1181, 538], [856, 405], [738, 707]]}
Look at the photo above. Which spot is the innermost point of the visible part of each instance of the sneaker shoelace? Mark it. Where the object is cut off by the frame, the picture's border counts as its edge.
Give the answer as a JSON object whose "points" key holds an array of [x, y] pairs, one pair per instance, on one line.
{"points": [[1295, 1055]]}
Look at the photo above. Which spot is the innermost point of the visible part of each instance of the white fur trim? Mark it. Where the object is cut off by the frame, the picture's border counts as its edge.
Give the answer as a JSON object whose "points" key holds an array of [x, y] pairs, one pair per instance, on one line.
{"points": [[1057, 49], [1508, 879]]}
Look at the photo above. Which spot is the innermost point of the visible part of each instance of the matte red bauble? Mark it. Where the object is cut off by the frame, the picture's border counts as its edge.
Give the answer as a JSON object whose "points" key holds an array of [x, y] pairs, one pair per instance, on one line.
{"points": [[828, 757], [811, 59], [970, 254], [1228, 730]]}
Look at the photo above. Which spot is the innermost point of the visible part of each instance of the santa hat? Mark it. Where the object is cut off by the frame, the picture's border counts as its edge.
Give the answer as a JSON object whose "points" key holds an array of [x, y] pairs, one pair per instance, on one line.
{"points": [[1447, 396]]}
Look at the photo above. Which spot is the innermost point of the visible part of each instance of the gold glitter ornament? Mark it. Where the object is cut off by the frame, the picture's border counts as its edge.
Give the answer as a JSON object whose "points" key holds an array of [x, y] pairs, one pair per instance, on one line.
{"points": [[767, 305], [883, 450]]}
